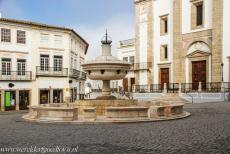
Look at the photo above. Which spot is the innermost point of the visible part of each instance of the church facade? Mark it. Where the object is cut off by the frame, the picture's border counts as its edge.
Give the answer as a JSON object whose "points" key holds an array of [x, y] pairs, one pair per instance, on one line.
{"points": [[182, 41]]}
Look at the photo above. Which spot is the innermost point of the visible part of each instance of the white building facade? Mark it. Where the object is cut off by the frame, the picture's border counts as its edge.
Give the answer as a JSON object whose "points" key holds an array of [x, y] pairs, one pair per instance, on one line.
{"points": [[182, 41], [39, 64], [126, 52]]}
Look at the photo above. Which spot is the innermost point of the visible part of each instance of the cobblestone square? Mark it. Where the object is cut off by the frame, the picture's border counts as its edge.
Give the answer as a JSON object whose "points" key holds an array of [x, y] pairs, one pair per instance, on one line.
{"points": [[206, 131]]}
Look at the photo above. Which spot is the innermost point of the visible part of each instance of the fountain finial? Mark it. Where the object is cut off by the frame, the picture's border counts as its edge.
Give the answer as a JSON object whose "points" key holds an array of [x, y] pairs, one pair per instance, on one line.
{"points": [[106, 39]]}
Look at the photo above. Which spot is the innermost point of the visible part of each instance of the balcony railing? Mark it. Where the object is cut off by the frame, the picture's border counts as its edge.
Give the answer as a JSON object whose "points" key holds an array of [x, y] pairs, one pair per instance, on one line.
{"points": [[83, 76], [142, 66], [75, 73], [16, 75], [51, 71]]}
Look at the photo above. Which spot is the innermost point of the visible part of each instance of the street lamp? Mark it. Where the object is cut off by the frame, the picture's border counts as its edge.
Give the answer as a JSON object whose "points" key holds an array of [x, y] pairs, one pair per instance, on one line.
{"points": [[222, 67]]}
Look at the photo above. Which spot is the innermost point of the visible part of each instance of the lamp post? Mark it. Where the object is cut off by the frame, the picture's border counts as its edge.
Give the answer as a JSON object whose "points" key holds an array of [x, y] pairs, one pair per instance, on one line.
{"points": [[222, 73]]}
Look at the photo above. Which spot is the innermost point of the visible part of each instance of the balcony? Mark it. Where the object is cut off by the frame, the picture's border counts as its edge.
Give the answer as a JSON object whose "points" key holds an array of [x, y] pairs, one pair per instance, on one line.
{"points": [[51, 71], [76, 74], [16, 76], [142, 66]]}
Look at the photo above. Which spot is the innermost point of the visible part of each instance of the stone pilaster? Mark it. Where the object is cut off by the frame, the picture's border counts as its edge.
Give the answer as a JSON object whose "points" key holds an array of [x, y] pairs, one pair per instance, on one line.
{"points": [[217, 40], [17, 100], [51, 95], [178, 60], [2, 100], [148, 6]]}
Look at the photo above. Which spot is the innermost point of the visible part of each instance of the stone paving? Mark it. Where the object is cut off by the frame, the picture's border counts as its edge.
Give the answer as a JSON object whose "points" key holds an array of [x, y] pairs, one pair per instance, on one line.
{"points": [[207, 131]]}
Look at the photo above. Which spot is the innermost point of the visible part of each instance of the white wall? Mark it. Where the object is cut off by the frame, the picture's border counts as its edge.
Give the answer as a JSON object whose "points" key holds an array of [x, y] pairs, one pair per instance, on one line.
{"points": [[161, 8], [226, 40]]}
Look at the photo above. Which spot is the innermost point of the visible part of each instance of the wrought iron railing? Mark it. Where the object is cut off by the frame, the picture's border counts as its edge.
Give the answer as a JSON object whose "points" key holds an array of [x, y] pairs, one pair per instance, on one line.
{"points": [[153, 88], [83, 76], [75, 73], [211, 87], [189, 87], [172, 87], [51, 71], [15, 75]]}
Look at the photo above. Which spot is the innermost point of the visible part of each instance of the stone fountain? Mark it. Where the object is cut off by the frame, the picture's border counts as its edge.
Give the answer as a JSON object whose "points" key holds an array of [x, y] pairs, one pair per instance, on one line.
{"points": [[106, 67], [108, 108]]}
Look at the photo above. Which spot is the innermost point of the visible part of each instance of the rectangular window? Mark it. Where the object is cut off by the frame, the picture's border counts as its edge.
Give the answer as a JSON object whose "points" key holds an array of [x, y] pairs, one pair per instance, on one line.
{"points": [[44, 38], [164, 24], [131, 59], [58, 63], [125, 59], [21, 37], [6, 66], [21, 64], [44, 62], [166, 52], [58, 40], [5, 35], [199, 15]]}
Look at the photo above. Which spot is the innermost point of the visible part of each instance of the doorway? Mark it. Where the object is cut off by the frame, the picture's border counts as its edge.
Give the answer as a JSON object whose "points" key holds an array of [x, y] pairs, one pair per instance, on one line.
{"points": [[198, 74], [57, 96], [10, 100], [164, 77], [44, 97], [23, 99]]}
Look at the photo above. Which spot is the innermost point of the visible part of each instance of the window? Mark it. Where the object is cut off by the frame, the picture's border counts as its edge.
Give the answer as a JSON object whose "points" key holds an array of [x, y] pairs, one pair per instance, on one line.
{"points": [[131, 59], [44, 38], [125, 59], [199, 15], [44, 62], [58, 63], [21, 64], [164, 24], [5, 35], [6, 66], [58, 40], [164, 53], [21, 37]]}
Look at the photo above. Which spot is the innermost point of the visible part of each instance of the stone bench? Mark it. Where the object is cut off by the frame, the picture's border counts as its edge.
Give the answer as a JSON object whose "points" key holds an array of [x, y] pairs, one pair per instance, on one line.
{"points": [[126, 112], [55, 113], [177, 109], [89, 113], [166, 110], [156, 111]]}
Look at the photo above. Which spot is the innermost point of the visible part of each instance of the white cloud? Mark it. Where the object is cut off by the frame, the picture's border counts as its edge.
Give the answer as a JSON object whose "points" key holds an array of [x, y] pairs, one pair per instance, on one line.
{"points": [[120, 27], [10, 9]]}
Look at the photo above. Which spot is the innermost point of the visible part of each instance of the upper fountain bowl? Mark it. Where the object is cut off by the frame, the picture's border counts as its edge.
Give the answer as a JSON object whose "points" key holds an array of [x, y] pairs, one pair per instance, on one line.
{"points": [[106, 66]]}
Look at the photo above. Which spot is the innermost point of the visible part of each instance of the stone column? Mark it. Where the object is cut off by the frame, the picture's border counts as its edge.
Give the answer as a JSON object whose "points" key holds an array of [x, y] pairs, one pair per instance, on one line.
{"points": [[2, 100], [165, 88], [200, 87], [180, 87], [222, 87], [17, 100], [51, 95], [106, 88]]}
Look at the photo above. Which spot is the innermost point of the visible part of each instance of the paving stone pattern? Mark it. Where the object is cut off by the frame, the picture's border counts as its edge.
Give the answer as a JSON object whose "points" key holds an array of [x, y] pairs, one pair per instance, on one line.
{"points": [[207, 131]]}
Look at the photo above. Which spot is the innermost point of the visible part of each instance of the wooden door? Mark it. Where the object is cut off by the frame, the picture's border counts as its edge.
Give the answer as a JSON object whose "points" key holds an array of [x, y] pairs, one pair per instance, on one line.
{"points": [[125, 84], [198, 73], [164, 77]]}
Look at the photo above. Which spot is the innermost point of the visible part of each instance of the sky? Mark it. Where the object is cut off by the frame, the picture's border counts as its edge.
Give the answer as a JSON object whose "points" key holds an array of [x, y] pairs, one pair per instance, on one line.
{"points": [[90, 18]]}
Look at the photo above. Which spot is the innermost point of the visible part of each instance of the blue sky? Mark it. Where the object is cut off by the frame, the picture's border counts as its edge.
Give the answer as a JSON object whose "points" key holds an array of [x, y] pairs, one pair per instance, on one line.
{"points": [[89, 18]]}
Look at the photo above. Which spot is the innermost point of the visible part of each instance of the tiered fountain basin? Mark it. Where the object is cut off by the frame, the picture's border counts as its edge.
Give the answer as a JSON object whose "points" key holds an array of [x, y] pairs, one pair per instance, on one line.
{"points": [[99, 111]]}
